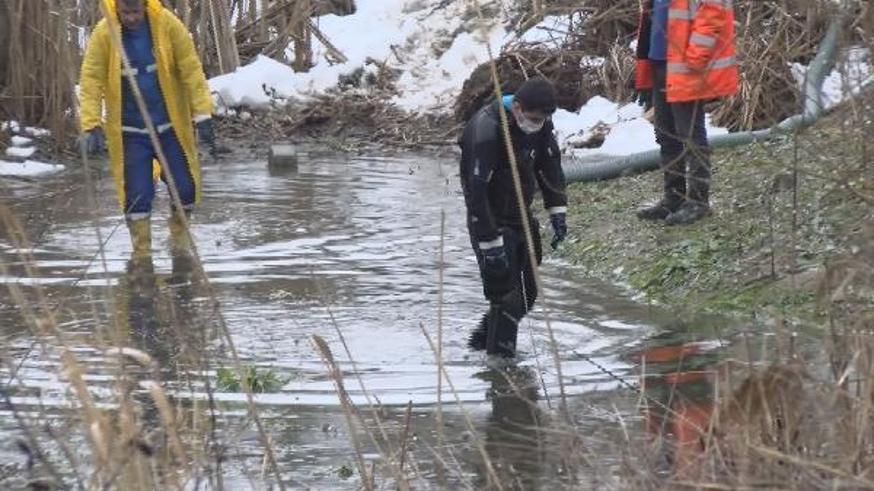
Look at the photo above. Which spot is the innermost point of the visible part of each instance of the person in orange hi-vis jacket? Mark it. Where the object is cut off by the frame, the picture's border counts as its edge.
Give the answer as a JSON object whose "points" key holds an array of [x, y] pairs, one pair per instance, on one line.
{"points": [[685, 58]]}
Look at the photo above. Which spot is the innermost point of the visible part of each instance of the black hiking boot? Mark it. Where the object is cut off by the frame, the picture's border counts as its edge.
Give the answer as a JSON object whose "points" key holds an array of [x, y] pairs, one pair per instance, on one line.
{"points": [[659, 211], [688, 214], [477, 339]]}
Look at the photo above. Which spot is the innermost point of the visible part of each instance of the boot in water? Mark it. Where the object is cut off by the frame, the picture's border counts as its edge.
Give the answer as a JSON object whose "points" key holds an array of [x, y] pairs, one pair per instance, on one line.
{"points": [[477, 339]]}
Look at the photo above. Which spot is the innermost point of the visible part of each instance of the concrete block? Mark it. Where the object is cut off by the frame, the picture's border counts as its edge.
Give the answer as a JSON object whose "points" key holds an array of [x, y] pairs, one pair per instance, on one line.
{"points": [[283, 156]]}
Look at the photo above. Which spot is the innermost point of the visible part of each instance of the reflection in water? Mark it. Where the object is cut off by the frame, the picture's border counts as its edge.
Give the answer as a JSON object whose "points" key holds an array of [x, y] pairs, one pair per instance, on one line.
{"points": [[513, 437], [151, 320], [138, 289], [361, 235], [678, 385], [159, 317]]}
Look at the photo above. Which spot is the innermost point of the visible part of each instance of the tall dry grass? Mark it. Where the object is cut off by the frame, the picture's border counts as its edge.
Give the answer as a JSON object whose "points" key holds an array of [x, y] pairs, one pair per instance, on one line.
{"points": [[774, 422], [41, 42], [39, 63]]}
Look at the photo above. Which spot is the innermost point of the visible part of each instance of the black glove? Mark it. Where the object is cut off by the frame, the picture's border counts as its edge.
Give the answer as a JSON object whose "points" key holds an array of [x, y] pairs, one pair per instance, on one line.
{"points": [[495, 261], [206, 132], [643, 98], [559, 228], [92, 142]]}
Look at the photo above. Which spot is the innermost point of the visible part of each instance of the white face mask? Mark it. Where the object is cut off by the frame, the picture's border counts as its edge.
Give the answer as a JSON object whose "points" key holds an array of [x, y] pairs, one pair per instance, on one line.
{"points": [[528, 127]]}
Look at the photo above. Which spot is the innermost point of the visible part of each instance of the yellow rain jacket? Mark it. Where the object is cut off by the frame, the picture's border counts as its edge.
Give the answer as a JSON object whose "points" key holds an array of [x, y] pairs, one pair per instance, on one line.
{"points": [[180, 75]]}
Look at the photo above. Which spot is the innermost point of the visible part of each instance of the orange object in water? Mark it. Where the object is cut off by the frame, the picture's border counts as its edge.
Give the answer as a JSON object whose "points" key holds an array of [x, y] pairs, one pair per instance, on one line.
{"points": [[678, 385]]}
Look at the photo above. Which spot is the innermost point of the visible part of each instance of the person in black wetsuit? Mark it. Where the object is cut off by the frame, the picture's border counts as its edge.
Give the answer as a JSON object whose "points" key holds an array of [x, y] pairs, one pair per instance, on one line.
{"points": [[493, 216]]}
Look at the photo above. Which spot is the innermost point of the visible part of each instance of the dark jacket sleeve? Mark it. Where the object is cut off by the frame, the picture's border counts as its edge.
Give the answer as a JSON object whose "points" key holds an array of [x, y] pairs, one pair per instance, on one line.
{"points": [[550, 176], [482, 151]]}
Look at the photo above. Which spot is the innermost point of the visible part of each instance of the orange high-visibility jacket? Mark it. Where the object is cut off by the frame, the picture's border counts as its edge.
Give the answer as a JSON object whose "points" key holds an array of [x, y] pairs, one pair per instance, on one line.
{"points": [[701, 61]]}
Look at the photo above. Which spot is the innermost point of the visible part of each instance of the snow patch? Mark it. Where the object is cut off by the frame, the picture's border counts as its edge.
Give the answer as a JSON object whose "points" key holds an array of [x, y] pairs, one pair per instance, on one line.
{"points": [[412, 37], [15, 127], [36, 132], [629, 132], [21, 141], [20, 152], [551, 30], [845, 81], [376, 26], [252, 85], [435, 86], [29, 168]]}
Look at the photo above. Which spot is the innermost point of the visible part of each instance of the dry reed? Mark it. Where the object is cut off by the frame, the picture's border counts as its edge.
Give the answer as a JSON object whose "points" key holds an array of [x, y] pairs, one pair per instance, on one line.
{"points": [[41, 47], [774, 425]]}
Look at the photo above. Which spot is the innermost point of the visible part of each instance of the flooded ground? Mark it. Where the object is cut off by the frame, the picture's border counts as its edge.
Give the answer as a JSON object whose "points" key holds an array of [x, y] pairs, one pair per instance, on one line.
{"points": [[342, 245]]}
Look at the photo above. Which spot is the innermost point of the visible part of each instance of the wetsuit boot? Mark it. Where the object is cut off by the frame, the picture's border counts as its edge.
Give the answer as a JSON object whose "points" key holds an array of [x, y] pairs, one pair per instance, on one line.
{"points": [[477, 339], [502, 330]]}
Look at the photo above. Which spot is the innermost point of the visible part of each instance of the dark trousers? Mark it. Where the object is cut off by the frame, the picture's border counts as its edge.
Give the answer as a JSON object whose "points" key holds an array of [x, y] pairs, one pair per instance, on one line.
{"points": [[680, 132], [511, 295]]}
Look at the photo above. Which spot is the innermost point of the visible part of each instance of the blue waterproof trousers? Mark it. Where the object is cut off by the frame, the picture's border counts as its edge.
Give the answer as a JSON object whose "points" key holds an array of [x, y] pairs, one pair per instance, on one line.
{"points": [[139, 185]]}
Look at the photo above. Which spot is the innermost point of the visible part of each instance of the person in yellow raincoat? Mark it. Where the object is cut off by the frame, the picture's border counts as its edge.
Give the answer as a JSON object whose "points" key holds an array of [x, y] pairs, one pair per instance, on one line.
{"points": [[170, 78]]}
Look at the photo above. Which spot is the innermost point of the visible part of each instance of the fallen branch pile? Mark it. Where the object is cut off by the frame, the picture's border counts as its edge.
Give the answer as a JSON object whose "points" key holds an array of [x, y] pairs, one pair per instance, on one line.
{"points": [[344, 121], [595, 57]]}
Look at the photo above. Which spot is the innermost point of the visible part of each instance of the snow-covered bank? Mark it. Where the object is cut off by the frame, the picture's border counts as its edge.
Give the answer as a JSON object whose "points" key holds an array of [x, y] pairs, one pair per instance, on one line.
{"points": [[21, 148], [433, 50]]}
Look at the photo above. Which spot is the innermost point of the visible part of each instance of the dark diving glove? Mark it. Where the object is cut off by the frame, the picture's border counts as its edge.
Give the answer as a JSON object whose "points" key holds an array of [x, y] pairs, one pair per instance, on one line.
{"points": [[206, 132], [495, 261], [92, 142], [559, 228]]}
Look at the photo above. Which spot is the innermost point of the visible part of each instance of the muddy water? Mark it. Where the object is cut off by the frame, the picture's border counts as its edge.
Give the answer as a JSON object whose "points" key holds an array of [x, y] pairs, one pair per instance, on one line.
{"points": [[341, 246]]}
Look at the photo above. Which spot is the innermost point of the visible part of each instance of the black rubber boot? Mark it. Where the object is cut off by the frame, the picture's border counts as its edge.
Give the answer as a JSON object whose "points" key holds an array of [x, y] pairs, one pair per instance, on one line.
{"points": [[697, 205], [477, 339], [501, 340], [660, 210], [674, 185], [688, 214]]}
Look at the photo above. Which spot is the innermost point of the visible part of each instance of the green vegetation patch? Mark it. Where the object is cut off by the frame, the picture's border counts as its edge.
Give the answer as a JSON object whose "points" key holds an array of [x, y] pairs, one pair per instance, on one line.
{"points": [[781, 210], [253, 380]]}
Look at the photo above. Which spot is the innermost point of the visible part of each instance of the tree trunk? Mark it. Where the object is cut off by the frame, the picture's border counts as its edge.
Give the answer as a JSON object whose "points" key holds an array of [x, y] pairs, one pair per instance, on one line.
{"points": [[303, 50], [4, 45]]}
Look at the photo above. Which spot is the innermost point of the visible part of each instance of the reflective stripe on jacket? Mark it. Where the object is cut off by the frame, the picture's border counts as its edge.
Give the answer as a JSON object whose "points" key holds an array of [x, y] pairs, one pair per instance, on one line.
{"points": [[701, 63], [180, 74]]}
